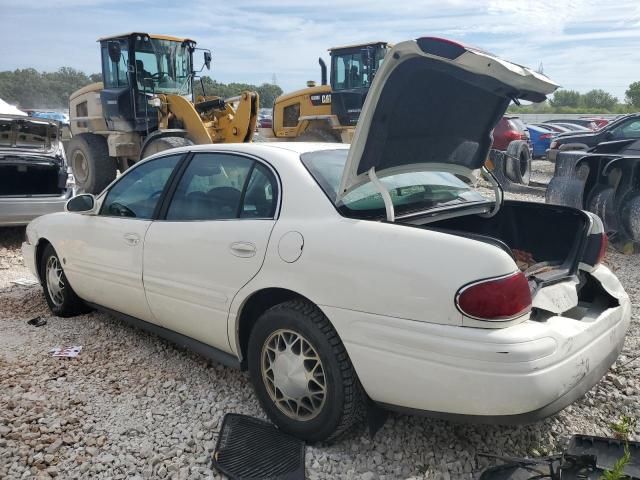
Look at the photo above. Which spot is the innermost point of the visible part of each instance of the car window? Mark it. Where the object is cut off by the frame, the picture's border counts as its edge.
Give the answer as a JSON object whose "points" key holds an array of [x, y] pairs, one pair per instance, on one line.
{"points": [[629, 129], [261, 195], [411, 191], [211, 188], [137, 193]]}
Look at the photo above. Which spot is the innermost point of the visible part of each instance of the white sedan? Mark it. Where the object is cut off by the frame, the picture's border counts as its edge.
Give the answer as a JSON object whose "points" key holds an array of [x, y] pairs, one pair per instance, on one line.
{"points": [[342, 276]]}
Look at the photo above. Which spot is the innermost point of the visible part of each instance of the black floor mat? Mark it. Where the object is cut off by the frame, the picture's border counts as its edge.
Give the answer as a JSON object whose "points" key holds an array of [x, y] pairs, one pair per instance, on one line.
{"points": [[250, 449]]}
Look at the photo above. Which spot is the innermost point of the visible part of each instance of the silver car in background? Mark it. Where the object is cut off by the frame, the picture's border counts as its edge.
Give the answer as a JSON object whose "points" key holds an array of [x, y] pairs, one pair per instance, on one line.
{"points": [[33, 169]]}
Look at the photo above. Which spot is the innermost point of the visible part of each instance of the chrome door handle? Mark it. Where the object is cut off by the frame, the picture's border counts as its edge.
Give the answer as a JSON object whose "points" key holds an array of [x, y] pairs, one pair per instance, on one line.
{"points": [[243, 249], [131, 239]]}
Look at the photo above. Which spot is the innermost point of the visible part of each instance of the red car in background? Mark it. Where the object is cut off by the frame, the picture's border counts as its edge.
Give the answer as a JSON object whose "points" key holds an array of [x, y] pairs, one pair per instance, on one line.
{"points": [[507, 130]]}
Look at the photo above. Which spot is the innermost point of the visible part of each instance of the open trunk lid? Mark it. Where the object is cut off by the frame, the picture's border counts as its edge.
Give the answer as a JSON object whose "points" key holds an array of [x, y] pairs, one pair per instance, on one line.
{"points": [[432, 106], [28, 134]]}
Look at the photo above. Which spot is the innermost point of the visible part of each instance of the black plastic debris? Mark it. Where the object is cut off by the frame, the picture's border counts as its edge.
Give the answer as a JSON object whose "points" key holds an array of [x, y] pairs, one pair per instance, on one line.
{"points": [[586, 458], [251, 449], [37, 321]]}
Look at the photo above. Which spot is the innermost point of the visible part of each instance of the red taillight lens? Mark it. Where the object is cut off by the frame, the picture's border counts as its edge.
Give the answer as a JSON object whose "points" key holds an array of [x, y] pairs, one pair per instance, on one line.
{"points": [[546, 136], [501, 298], [604, 243], [512, 135]]}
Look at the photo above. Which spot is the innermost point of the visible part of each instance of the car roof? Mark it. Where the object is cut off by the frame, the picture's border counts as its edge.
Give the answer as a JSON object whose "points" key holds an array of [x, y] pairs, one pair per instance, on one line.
{"points": [[258, 148]]}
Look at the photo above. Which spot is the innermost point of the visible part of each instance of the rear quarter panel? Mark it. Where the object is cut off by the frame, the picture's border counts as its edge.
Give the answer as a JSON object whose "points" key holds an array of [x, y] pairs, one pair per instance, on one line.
{"points": [[375, 267]]}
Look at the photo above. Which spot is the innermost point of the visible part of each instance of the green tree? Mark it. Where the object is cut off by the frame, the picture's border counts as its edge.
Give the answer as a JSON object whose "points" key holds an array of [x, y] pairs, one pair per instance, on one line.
{"points": [[268, 93], [565, 98], [632, 95], [598, 99]]}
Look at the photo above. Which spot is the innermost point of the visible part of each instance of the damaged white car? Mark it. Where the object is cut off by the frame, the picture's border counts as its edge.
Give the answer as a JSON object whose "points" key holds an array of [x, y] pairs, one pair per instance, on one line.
{"points": [[340, 276]]}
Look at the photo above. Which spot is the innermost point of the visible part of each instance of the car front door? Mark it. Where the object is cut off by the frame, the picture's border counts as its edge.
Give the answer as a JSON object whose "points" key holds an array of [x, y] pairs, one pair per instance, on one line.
{"points": [[210, 242], [103, 259]]}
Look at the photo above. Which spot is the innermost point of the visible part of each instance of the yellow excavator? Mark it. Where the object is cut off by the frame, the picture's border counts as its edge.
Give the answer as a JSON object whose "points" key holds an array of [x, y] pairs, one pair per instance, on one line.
{"points": [[329, 112], [145, 104]]}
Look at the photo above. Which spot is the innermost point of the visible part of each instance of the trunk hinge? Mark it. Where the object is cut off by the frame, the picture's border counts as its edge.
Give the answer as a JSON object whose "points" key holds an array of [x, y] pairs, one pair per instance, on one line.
{"points": [[386, 197], [497, 190]]}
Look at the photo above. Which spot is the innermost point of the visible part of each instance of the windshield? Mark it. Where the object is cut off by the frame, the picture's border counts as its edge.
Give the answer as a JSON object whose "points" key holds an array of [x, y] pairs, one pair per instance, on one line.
{"points": [[414, 191], [162, 66]]}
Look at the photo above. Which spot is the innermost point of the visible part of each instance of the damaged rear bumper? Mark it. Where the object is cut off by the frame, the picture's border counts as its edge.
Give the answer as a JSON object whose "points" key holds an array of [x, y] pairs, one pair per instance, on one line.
{"points": [[516, 374]]}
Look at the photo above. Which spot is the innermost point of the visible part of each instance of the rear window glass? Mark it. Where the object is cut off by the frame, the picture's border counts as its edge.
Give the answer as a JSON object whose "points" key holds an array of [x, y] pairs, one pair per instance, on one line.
{"points": [[413, 191]]}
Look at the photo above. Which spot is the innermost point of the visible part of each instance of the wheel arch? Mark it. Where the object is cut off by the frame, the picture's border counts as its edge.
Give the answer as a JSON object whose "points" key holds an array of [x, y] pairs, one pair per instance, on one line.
{"points": [[40, 247], [250, 310]]}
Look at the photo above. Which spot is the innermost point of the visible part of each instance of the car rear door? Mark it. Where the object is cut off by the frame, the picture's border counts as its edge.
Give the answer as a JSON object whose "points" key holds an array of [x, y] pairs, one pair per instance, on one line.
{"points": [[103, 256], [210, 241]]}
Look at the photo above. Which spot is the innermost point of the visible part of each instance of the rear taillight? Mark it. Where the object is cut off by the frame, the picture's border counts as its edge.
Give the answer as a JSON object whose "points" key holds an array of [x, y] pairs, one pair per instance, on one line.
{"points": [[546, 136], [604, 243], [502, 298], [512, 135]]}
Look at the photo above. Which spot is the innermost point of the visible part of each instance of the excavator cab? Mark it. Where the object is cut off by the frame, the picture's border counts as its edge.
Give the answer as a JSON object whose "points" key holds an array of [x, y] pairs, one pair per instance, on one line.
{"points": [[135, 68], [352, 71]]}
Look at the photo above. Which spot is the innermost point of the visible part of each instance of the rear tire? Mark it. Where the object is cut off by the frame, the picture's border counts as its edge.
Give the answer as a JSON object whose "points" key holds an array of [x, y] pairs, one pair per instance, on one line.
{"points": [[61, 298], [518, 162], [302, 374], [318, 135], [93, 169], [164, 143]]}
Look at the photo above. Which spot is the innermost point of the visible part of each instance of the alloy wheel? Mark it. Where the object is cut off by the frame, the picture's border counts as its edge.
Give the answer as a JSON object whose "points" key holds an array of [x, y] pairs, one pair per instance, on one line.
{"points": [[55, 283], [293, 374]]}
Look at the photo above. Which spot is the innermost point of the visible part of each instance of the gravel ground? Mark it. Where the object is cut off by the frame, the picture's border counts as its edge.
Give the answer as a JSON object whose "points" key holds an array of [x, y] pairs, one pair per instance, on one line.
{"points": [[133, 406]]}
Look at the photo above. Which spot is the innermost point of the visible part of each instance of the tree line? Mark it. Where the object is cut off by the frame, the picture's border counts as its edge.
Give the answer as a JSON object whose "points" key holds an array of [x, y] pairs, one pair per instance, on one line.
{"points": [[29, 88], [593, 101]]}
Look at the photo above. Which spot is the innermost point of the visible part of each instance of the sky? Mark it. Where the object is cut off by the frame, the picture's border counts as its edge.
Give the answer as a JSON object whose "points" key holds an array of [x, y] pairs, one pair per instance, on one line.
{"points": [[582, 44]]}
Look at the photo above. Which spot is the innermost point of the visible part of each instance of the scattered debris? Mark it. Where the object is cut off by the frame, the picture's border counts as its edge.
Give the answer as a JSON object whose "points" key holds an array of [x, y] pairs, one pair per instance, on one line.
{"points": [[71, 351], [524, 260], [25, 282], [587, 457], [37, 321], [251, 448]]}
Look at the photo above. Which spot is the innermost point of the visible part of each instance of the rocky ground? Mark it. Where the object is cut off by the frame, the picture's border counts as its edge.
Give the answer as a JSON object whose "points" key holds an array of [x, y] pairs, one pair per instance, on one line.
{"points": [[133, 406]]}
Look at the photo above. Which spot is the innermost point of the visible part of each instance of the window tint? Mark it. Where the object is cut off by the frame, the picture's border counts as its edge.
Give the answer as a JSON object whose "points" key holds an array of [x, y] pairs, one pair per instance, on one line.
{"points": [[137, 193], [261, 196], [211, 188]]}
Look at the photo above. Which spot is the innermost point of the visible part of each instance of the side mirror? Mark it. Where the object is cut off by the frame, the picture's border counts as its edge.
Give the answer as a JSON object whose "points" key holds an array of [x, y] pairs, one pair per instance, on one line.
{"points": [[115, 52], [84, 203], [207, 59]]}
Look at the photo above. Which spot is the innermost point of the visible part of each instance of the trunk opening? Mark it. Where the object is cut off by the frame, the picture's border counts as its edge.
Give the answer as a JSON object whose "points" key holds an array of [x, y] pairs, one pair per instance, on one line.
{"points": [[543, 235], [30, 179]]}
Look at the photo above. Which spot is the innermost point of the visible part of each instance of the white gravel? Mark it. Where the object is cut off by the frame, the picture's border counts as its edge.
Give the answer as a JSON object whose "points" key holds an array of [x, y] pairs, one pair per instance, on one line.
{"points": [[133, 406]]}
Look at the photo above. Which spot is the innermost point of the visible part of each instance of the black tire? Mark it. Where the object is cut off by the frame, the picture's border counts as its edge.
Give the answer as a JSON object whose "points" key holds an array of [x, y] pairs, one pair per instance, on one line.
{"points": [[93, 169], [344, 399], [318, 135], [518, 162], [164, 143], [68, 304]]}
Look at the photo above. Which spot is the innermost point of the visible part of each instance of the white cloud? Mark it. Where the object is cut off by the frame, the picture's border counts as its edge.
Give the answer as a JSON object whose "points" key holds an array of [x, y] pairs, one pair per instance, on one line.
{"points": [[583, 44]]}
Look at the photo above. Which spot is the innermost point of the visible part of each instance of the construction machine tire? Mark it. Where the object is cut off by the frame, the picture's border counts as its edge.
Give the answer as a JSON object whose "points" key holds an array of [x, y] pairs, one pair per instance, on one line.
{"points": [[164, 143], [93, 169], [518, 162], [318, 135]]}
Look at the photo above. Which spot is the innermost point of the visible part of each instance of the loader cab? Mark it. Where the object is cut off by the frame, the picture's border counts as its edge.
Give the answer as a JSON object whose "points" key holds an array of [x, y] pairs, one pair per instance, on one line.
{"points": [[136, 67], [352, 71]]}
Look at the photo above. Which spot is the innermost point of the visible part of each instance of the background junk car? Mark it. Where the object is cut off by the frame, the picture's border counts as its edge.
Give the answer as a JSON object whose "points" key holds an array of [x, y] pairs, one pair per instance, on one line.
{"points": [[334, 274]]}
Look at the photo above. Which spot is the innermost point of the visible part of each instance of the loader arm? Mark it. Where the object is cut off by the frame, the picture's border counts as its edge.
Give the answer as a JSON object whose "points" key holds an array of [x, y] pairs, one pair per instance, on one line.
{"points": [[220, 121]]}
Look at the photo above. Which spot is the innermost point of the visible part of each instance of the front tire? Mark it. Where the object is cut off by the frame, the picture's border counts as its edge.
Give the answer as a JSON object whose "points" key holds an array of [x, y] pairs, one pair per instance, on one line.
{"points": [[61, 298], [164, 143], [302, 374]]}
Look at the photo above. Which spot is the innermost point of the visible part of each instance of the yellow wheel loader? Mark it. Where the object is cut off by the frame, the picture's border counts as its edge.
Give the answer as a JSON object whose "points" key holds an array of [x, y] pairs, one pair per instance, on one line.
{"points": [[146, 104], [329, 113]]}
